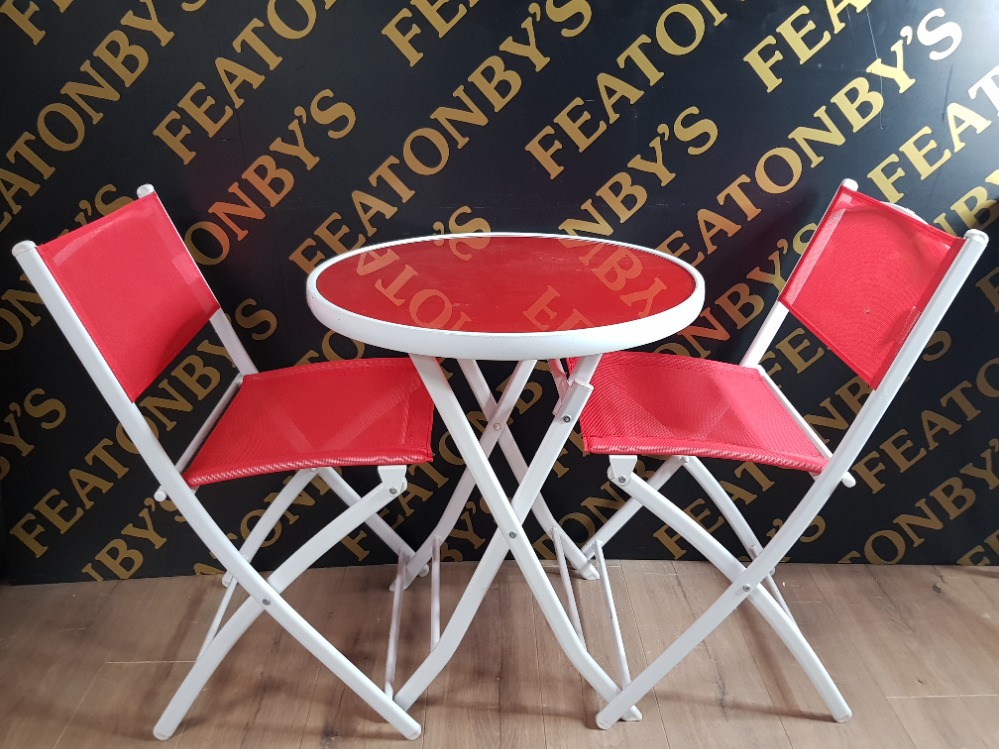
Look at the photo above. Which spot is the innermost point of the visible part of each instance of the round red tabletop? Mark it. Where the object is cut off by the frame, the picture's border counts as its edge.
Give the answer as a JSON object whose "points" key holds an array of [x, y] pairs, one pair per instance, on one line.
{"points": [[505, 296]]}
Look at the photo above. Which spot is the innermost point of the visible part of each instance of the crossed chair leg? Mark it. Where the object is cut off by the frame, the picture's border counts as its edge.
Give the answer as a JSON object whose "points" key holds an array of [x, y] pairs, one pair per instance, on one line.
{"points": [[746, 583], [264, 595]]}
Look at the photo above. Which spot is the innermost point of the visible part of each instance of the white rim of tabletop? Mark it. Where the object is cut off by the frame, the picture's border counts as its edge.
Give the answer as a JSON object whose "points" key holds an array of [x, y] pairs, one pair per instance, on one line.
{"points": [[464, 344]]}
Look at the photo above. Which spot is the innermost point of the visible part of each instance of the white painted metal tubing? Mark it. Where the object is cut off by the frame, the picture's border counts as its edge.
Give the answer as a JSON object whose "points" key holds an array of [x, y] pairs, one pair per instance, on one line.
{"points": [[735, 519], [680, 647], [806, 429], [877, 403], [213, 628], [393, 640], [380, 528], [570, 596], [497, 414], [435, 594], [696, 633], [203, 431], [302, 631], [622, 659], [203, 668], [269, 590], [507, 516], [457, 625], [263, 593], [630, 508], [517, 346], [775, 614], [515, 459], [745, 581], [265, 524]]}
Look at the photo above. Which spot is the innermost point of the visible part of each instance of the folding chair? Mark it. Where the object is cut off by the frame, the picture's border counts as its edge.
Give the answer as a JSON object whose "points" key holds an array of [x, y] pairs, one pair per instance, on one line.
{"points": [[129, 298], [872, 285]]}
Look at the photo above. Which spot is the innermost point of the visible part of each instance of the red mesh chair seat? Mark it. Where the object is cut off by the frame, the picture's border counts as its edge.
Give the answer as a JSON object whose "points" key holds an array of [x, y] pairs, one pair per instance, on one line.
{"points": [[308, 417], [650, 404]]}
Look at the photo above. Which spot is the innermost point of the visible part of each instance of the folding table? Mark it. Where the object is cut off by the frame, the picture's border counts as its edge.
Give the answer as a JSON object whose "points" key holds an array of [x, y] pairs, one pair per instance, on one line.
{"points": [[505, 297]]}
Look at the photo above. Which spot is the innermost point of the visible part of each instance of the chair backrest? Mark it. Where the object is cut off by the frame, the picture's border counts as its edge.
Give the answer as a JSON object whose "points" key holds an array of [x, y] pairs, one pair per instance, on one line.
{"points": [[866, 276], [131, 282]]}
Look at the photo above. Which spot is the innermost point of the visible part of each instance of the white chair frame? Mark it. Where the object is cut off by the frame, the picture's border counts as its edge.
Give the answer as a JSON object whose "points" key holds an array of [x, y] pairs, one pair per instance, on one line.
{"points": [[264, 593], [746, 582]]}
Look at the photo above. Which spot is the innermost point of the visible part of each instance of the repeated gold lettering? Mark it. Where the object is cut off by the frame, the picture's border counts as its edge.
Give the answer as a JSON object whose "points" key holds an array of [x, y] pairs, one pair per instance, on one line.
{"points": [[906, 447], [123, 56], [427, 150], [948, 501], [206, 108], [266, 182], [196, 376]]}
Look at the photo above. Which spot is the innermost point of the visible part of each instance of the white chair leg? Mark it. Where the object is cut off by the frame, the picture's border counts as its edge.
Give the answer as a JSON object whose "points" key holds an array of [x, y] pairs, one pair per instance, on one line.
{"points": [[268, 520], [249, 548], [731, 513], [267, 597], [704, 626], [203, 668], [213, 628], [630, 508], [745, 584], [680, 648], [383, 530]]}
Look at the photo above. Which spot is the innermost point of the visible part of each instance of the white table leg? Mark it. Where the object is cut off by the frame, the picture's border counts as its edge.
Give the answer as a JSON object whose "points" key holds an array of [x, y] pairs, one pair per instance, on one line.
{"points": [[498, 414], [510, 535], [515, 459], [496, 431]]}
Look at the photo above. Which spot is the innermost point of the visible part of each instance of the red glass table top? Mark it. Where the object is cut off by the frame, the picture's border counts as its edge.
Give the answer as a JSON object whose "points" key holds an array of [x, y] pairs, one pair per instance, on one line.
{"points": [[504, 286]]}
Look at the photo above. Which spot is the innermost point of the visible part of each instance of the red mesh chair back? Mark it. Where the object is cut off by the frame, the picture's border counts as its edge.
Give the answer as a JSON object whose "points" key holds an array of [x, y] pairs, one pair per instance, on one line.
{"points": [[135, 288], [866, 276]]}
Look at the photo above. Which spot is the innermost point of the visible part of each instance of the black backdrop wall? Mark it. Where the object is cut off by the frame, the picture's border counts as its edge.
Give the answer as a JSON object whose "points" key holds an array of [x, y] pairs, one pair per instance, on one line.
{"points": [[281, 132]]}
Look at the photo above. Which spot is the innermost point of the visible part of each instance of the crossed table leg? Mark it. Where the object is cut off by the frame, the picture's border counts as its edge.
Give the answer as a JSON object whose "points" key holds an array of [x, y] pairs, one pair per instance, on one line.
{"points": [[495, 432], [509, 535]]}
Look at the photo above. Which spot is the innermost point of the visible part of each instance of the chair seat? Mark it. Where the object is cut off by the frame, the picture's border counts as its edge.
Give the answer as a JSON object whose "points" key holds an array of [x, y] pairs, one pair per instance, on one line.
{"points": [[359, 412], [655, 404]]}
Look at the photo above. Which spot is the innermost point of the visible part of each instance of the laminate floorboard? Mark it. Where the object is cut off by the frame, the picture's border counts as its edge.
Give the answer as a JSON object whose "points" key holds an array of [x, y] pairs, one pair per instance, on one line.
{"points": [[914, 649]]}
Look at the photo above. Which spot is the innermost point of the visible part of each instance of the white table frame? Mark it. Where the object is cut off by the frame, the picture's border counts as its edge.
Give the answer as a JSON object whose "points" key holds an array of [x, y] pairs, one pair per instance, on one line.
{"points": [[496, 432], [424, 347]]}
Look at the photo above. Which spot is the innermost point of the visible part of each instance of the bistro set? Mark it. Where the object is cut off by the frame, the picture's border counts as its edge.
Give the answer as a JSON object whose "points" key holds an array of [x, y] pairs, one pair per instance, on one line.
{"points": [[872, 286]]}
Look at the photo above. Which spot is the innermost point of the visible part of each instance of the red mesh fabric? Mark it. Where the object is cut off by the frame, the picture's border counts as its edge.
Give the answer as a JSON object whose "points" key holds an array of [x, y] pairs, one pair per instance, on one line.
{"points": [[656, 404], [363, 412], [868, 272], [135, 287]]}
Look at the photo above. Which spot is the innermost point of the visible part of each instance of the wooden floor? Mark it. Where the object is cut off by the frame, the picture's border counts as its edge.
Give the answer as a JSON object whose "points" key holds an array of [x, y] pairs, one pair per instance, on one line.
{"points": [[914, 649]]}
